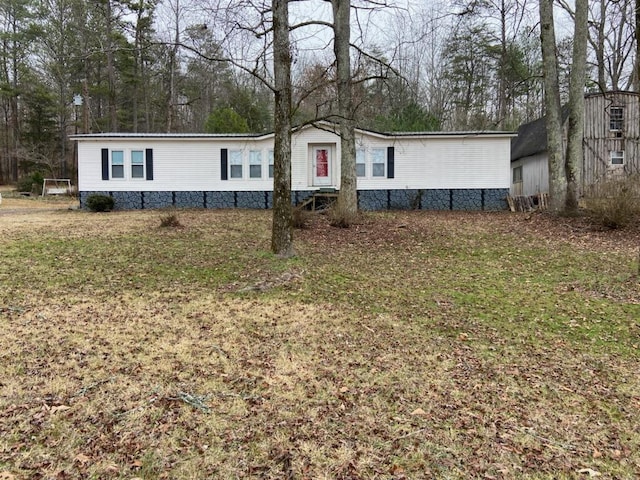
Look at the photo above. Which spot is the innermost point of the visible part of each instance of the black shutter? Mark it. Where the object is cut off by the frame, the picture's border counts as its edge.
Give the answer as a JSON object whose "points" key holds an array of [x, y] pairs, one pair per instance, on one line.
{"points": [[391, 162], [224, 164], [105, 164], [149, 163]]}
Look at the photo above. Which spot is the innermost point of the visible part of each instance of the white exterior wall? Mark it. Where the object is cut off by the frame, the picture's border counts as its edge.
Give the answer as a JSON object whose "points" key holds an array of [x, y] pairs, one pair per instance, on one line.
{"points": [[442, 162], [193, 164], [535, 174]]}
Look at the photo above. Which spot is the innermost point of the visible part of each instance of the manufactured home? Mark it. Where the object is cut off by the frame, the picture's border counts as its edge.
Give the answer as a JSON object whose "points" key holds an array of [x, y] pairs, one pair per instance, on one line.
{"points": [[436, 170], [611, 145]]}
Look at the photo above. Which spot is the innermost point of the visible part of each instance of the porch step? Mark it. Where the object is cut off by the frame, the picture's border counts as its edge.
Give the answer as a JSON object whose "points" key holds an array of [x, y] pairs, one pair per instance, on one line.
{"points": [[321, 199]]}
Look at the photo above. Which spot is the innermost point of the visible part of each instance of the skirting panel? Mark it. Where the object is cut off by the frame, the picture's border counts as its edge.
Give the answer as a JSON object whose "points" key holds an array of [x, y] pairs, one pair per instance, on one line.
{"points": [[442, 199]]}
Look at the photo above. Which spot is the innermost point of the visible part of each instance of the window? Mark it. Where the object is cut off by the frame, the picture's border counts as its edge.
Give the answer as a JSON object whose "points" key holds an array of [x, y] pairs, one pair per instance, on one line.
{"points": [[517, 174], [117, 164], [270, 157], [378, 162], [616, 119], [137, 164], [235, 164], [617, 158], [255, 164], [361, 166]]}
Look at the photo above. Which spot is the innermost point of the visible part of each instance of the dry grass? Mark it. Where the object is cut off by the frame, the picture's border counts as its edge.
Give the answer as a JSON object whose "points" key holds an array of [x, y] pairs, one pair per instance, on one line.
{"points": [[412, 345]]}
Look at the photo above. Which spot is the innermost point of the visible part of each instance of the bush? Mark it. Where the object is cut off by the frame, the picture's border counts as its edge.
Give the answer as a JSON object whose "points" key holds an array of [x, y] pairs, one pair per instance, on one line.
{"points": [[170, 220], [100, 203], [300, 217], [615, 203], [31, 183]]}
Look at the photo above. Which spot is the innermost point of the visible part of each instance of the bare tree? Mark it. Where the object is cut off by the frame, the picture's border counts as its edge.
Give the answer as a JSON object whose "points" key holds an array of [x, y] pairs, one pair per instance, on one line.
{"points": [[347, 199], [282, 229], [564, 170]]}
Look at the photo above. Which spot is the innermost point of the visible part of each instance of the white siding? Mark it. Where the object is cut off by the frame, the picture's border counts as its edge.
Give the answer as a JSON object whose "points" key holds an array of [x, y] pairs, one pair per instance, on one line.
{"points": [[193, 164]]}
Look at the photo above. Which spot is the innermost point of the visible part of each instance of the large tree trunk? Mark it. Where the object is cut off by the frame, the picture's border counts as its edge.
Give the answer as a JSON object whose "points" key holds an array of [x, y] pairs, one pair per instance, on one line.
{"points": [[557, 179], [575, 134], [348, 197], [282, 228]]}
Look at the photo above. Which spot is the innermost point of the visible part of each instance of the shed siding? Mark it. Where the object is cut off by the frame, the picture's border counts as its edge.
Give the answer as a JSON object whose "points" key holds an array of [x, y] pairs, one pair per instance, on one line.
{"points": [[535, 175]]}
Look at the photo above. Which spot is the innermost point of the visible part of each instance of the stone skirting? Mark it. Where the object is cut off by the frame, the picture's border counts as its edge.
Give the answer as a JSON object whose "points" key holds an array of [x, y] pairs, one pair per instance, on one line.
{"points": [[442, 199]]}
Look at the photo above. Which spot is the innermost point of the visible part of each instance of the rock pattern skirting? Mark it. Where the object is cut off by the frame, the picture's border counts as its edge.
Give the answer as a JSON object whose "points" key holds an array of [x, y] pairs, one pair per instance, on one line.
{"points": [[441, 199]]}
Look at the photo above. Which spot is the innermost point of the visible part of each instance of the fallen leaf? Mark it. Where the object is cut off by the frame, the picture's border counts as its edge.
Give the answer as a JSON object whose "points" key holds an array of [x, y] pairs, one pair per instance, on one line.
{"points": [[418, 411], [112, 467], [136, 464], [6, 476], [590, 472], [81, 458], [59, 408]]}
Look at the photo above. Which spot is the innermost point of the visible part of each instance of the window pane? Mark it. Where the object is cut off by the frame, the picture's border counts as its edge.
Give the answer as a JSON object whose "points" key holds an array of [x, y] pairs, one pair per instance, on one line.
{"points": [[377, 170], [255, 171], [137, 171], [270, 171], [117, 171], [360, 170], [137, 157], [236, 171]]}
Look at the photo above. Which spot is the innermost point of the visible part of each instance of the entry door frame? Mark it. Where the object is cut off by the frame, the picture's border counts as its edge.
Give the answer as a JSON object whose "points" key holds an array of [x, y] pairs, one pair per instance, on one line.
{"points": [[321, 173]]}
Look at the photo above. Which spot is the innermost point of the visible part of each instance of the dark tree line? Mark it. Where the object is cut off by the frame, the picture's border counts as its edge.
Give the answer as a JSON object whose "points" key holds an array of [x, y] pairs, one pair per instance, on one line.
{"points": [[157, 66]]}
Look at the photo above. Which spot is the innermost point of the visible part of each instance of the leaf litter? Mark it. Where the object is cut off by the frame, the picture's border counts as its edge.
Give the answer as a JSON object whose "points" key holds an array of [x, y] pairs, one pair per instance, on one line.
{"points": [[411, 345]]}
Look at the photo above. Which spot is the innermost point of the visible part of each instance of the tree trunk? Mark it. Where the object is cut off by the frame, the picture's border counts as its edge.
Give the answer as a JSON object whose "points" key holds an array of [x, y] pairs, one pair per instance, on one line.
{"points": [[557, 179], [575, 135], [282, 228], [111, 71], [636, 77], [348, 197]]}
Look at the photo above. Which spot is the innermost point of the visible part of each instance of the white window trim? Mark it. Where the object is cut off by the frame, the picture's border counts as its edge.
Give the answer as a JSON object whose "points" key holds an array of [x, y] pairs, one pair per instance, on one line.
{"points": [[372, 163], [364, 162], [621, 119], [251, 163], [124, 165], [612, 155], [131, 164], [270, 163], [242, 161]]}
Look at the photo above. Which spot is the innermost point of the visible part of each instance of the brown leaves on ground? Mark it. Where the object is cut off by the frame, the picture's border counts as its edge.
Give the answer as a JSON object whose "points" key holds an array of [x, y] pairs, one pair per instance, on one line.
{"points": [[407, 346]]}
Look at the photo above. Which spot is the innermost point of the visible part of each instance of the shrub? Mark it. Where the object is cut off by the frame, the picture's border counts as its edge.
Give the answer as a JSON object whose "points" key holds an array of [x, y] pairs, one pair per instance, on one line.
{"points": [[300, 217], [615, 203], [170, 220], [31, 183], [100, 203]]}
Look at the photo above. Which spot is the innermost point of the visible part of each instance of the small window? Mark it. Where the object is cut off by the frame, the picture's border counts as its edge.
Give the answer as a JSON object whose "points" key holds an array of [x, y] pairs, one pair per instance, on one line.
{"points": [[270, 157], [255, 164], [378, 162], [517, 174], [117, 164], [137, 164], [235, 164], [617, 158], [616, 119], [361, 165]]}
